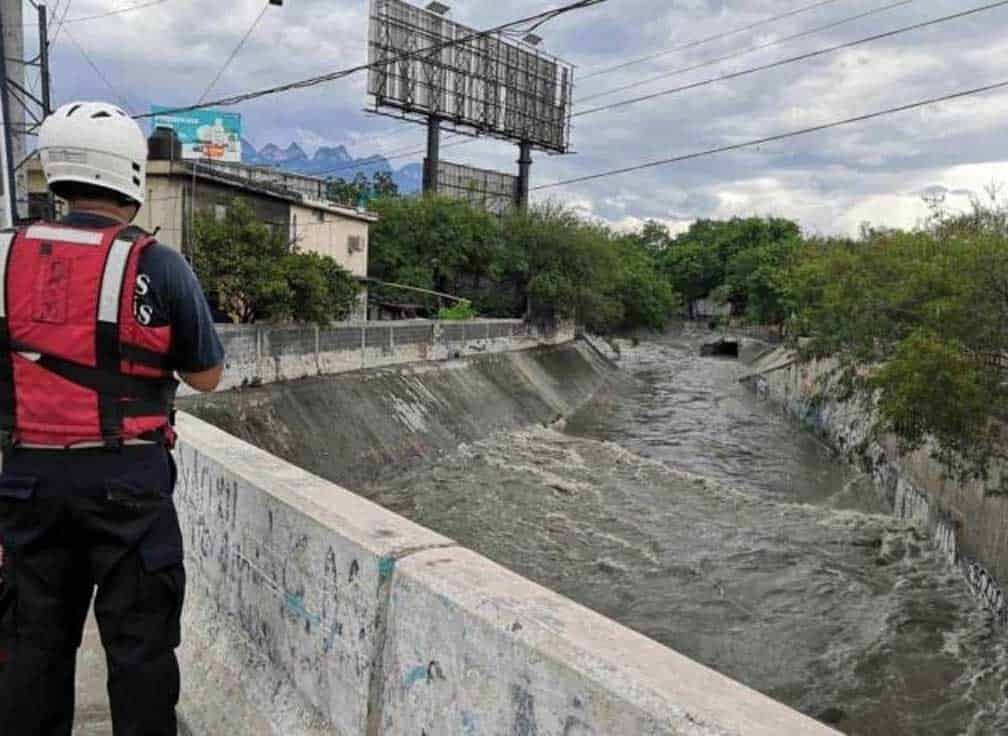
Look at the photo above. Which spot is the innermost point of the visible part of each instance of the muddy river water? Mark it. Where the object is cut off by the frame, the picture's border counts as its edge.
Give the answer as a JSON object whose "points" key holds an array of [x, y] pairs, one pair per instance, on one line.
{"points": [[687, 509]]}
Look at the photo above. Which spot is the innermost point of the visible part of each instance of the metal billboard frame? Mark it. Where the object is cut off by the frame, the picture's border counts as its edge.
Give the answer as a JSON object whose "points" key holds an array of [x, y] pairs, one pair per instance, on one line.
{"points": [[469, 82], [493, 191]]}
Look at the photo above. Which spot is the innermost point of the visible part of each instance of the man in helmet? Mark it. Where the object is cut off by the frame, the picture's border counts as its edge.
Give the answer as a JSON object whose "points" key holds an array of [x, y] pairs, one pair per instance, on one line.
{"points": [[96, 319]]}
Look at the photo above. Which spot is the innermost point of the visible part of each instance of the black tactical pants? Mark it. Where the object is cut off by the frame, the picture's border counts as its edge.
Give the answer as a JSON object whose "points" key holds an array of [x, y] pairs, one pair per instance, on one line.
{"points": [[71, 522]]}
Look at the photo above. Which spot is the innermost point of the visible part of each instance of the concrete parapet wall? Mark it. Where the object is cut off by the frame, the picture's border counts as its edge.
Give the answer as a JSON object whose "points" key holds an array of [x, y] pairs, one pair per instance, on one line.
{"points": [[266, 354], [475, 649], [285, 596], [312, 611]]}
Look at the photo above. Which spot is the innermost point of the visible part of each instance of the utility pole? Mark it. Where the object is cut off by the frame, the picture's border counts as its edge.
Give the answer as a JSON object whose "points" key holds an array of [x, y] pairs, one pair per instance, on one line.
{"points": [[524, 174], [12, 31], [8, 216], [433, 160]]}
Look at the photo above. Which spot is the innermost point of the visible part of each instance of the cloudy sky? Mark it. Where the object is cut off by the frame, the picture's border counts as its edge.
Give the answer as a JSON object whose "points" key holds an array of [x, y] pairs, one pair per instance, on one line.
{"points": [[830, 181]]}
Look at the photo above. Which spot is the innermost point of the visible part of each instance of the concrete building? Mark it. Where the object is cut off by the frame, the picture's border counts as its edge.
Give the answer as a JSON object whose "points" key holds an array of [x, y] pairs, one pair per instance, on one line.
{"points": [[287, 203]]}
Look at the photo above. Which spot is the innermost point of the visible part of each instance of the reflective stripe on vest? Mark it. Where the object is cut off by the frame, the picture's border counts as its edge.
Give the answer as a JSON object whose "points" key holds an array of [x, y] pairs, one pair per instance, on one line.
{"points": [[64, 235], [5, 243], [8, 400], [112, 281]]}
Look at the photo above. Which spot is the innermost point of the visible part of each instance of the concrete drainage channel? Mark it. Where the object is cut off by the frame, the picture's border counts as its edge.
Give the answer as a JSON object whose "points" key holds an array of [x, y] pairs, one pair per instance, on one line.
{"points": [[312, 611]]}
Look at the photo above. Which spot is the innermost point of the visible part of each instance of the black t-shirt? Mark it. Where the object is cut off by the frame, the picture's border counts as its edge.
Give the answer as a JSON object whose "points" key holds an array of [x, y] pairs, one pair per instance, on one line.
{"points": [[168, 293]]}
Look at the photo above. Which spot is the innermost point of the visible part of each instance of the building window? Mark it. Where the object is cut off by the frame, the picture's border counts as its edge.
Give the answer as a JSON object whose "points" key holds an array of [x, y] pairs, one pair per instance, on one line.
{"points": [[220, 212], [319, 216], [354, 244]]}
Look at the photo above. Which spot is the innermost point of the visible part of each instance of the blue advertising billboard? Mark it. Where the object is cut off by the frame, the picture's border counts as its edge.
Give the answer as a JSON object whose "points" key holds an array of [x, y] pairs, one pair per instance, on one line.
{"points": [[204, 134]]}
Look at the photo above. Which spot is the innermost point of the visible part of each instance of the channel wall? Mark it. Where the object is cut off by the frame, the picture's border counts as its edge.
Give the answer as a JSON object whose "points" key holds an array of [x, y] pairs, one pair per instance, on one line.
{"points": [[311, 610], [967, 520]]}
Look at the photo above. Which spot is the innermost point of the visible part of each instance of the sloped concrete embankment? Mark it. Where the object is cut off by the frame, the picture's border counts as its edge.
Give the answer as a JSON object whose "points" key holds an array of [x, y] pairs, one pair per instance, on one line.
{"points": [[313, 611], [968, 521], [355, 428]]}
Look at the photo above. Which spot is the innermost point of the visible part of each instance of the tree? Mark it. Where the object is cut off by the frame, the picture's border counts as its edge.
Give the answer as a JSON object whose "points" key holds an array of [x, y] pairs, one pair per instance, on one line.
{"points": [[919, 320], [547, 263], [435, 243], [321, 290], [349, 193], [384, 185], [257, 275], [654, 238], [756, 280], [240, 260], [698, 261], [361, 189], [646, 294]]}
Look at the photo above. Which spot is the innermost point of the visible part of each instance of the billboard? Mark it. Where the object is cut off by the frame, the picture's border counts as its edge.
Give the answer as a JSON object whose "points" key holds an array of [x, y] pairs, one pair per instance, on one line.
{"points": [[492, 191], [204, 134], [472, 82]]}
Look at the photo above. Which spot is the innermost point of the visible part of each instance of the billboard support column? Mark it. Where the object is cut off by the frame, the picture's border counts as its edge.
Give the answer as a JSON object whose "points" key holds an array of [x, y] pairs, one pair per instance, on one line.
{"points": [[44, 61], [45, 73], [524, 173], [430, 174]]}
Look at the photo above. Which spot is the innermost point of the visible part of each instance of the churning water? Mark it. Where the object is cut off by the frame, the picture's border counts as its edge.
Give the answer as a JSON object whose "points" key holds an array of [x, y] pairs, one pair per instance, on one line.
{"points": [[691, 511]]}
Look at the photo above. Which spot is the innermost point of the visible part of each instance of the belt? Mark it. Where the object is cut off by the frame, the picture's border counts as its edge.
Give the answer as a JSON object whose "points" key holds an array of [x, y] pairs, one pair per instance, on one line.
{"points": [[81, 445]]}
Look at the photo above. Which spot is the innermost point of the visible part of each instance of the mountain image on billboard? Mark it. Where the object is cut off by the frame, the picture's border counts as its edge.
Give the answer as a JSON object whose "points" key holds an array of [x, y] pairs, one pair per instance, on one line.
{"points": [[204, 134]]}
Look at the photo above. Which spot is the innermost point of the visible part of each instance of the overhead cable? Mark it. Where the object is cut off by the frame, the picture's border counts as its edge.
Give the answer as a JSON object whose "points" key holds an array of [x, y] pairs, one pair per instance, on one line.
{"points": [[101, 75], [749, 50], [107, 14], [779, 136], [708, 39], [793, 59], [333, 76], [235, 52]]}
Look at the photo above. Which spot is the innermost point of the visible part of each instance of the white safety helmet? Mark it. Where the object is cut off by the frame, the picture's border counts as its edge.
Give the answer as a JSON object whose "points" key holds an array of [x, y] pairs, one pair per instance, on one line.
{"points": [[94, 143]]}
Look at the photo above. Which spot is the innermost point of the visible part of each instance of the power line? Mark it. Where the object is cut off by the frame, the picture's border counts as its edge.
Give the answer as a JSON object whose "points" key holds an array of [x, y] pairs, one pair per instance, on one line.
{"points": [[709, 39], [59, 25], [744, 52], [779, 136], [94, 67], [792, 60], [333, 76], [234, 53], [108, 14]]}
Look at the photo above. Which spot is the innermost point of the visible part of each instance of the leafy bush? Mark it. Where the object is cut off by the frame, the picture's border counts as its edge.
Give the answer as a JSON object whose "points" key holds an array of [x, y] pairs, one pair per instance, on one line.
{"points": [[458, 312]]}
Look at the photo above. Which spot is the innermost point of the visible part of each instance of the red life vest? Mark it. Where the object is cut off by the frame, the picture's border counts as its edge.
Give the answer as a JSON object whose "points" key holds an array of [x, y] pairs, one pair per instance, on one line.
{"points": [[76, 366]]}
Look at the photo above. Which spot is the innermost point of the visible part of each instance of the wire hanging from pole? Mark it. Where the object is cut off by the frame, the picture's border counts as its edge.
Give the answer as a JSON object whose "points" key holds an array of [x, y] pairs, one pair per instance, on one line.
{"points": [[234, 53]]}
